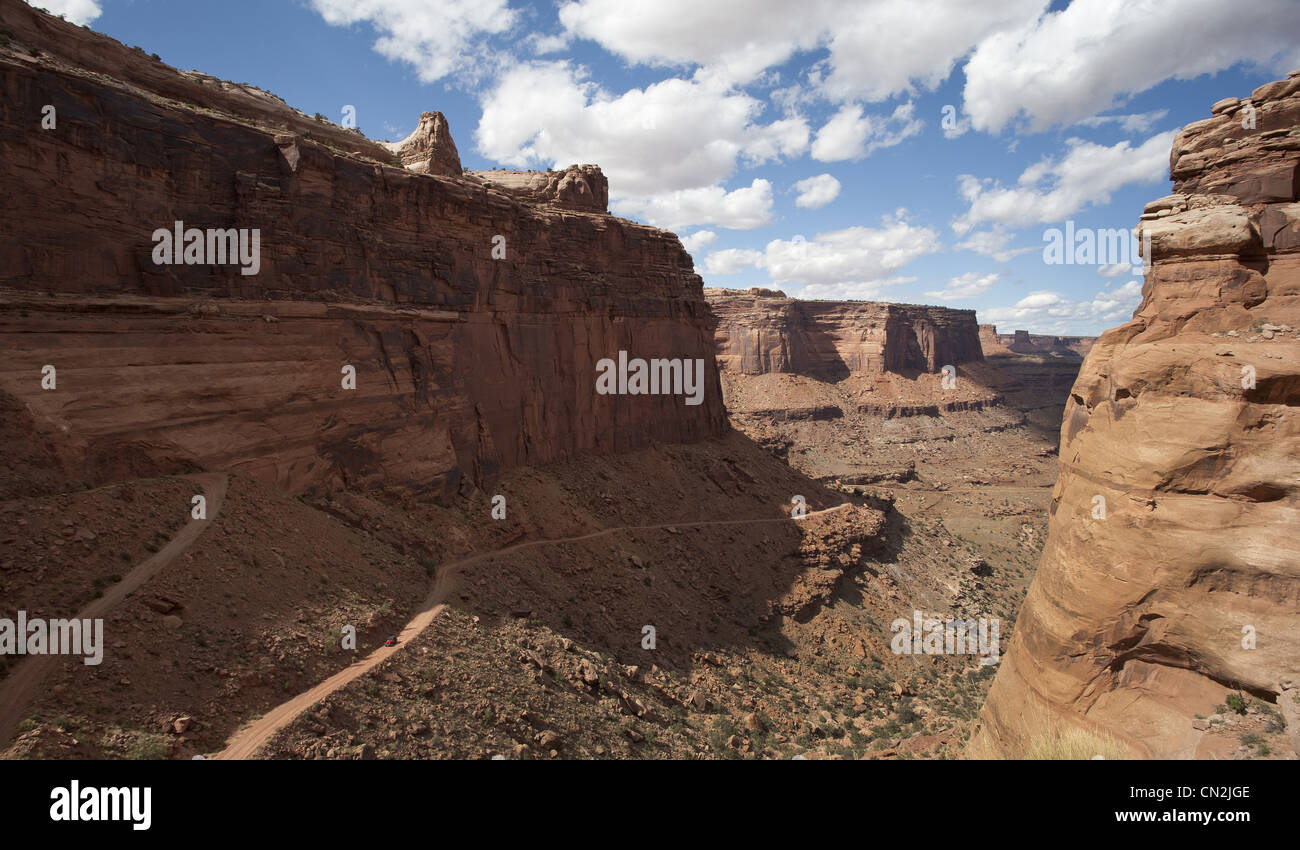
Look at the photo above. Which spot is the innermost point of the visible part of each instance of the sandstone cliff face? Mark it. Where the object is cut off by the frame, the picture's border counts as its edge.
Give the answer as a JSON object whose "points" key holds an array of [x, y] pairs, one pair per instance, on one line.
{"points": [[1182, 425], [474, 321], [1023, 342], [759, 333], [429, 149], [578, 187]]}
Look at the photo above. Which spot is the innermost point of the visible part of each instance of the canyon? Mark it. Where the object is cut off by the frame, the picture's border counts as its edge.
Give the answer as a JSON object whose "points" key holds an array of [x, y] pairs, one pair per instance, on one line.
{"points": [[1023, 342], [444, 418], [403, 401]]}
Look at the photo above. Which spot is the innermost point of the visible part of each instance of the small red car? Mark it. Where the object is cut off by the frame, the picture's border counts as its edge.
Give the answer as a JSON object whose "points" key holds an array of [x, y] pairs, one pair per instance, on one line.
{"points": [[392, 641]]}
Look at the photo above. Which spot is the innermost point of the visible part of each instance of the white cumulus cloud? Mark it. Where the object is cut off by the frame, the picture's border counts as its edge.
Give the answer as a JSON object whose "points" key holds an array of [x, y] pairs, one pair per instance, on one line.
{"points": [[1137, 122], [994, 242], [1045, 311], [856, 260], [850, 134], [967, 285], [1053, 189], [731, 261], [667, 149], [1114, 269], [438, 38], [740, 209], [873, 48], [1088, 57], [699, 240], [76, 11], [816, 192]]}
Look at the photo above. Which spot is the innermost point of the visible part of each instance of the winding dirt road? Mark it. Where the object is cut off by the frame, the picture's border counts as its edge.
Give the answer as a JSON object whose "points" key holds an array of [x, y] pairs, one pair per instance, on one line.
{"points": [[248, 740], [19, 687]]}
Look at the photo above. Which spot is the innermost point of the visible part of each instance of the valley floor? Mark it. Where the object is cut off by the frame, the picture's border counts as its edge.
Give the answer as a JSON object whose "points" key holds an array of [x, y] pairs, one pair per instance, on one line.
{"points": [[528, 636]]}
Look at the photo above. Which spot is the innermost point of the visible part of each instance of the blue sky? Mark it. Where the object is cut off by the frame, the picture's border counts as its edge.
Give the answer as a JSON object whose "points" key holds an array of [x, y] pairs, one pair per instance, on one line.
{"points": [[799, 146]]}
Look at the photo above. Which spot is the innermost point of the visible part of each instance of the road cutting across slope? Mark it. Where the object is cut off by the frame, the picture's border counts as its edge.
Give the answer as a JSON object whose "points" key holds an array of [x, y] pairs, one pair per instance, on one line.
{"points": [[248, 740], [20, 687]]}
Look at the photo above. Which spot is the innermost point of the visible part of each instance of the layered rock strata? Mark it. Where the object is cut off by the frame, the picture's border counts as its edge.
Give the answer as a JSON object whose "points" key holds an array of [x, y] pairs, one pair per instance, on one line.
{"points": [[474, 321], [1170, 575], [578, 187], [1023, 342], [761, 332]]}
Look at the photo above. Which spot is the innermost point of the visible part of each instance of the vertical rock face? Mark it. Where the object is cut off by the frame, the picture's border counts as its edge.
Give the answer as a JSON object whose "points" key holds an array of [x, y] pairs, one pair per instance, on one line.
{"points": [[762, 331], [429, 149], [1171, 573], [475, 322]]}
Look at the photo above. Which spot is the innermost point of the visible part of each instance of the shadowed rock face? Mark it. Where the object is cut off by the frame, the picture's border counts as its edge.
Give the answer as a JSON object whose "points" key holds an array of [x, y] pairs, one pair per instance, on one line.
{"points": [[761, 332], [475, 322], [1184, 423]]}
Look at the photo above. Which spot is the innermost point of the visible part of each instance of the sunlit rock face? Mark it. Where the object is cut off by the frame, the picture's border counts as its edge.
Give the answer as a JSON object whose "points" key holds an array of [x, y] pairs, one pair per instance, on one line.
{"points": [[473, 318], [763, 331], [1171, 572]]}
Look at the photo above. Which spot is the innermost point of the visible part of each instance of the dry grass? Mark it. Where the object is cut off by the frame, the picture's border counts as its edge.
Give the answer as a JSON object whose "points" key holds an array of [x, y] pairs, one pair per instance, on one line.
{"points": [[1052, 738], [1075, 743]]}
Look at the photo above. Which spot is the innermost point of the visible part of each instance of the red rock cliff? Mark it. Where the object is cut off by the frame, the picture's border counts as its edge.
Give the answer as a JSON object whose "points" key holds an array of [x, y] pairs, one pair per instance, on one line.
{"points": [[1170, 574], [761, 332], [1023, 342], [467, 359]]}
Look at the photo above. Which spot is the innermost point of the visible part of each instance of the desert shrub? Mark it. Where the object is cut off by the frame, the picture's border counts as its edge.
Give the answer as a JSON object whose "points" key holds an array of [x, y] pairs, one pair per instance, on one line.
{"points": [[149, 746]]}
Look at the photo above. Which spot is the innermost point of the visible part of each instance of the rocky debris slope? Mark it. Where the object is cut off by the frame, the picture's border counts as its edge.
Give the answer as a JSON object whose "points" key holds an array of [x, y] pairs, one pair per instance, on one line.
{"points": [[1170, 574], [474, 321], [772, 637]]}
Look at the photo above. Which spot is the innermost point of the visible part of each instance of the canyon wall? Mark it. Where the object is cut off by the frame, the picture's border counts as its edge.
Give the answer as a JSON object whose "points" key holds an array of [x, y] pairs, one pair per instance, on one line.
{"points": [[474, 320], [760, 332], [1023, 342], [1170, 575]]}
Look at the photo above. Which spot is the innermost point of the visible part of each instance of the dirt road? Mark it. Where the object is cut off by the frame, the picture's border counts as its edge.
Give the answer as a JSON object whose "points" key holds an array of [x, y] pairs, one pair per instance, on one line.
{"points": [[20, 686], [245, 742]]}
